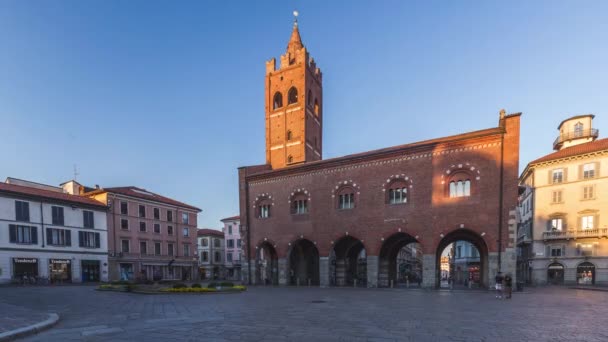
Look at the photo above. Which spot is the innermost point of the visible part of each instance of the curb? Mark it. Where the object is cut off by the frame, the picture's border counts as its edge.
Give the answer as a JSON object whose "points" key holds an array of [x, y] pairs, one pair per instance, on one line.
{"points": [[589, 289], [31, 329]]}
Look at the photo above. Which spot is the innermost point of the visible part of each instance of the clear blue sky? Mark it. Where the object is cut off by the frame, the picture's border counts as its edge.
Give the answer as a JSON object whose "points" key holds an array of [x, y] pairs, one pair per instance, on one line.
{"points": [[169, 96]]}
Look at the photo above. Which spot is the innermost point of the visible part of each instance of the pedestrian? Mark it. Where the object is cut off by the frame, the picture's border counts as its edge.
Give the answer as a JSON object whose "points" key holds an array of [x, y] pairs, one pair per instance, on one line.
{"points": [[508, 285], [499, 278], [451, 282]]}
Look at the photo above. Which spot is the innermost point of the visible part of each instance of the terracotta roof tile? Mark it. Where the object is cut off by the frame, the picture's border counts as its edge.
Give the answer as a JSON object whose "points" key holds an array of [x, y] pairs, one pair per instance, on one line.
{"points": [[207, 231], [136, 192], [594, 146], [50, 195], [231, 218]]}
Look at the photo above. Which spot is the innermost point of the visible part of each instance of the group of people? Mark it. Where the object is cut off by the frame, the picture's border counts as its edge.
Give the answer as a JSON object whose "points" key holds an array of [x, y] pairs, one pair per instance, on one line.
{"points": [[504, 286]]}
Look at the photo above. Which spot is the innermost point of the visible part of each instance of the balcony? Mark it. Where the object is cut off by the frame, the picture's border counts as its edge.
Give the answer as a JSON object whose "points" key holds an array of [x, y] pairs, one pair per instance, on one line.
{"points": [[574, 234], [524, 238], [586, 133]]}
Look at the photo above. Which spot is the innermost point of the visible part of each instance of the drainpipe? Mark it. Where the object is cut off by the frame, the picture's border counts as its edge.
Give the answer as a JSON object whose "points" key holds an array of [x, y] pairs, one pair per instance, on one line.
{"points": [[42, 235]]}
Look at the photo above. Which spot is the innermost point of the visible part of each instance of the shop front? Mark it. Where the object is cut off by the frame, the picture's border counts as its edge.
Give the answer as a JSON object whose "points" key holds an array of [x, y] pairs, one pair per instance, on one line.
{"points": [[91, 270], [25, 267], [585, 274], [555, 274], [126, 271], [60, 271]]}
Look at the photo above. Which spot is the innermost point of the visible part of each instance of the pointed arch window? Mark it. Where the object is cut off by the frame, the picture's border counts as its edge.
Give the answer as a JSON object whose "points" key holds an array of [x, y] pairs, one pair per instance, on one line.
{"points": [[277, 101], [316, 108], [309, 98], [292, 96]]}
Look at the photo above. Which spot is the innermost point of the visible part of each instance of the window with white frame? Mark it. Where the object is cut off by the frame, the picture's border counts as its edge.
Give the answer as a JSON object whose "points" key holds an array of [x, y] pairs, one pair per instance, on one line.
{"points": [[557, 224], [558, 176], [557, 196], [587, 222], [346, 200], [185, 218], [186, 231], [589, 170], [461, 188], [588, 192]]}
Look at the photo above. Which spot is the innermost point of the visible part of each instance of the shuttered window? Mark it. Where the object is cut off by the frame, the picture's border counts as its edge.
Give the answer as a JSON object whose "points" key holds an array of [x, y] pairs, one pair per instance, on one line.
{"points": [[23, 234], [22, 211], [88, 239], [58, 237], [57, 215]]}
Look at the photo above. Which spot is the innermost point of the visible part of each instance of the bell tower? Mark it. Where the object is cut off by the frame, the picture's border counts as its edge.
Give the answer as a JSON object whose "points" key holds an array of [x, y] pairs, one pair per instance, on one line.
{"points": [[294, 98]]}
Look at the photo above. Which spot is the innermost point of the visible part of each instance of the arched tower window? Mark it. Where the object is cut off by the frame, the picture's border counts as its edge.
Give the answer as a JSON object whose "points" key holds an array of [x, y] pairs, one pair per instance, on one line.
{"points": [[316, 107], [292, 96], [277, 101], [289, 135], [309, 98]]}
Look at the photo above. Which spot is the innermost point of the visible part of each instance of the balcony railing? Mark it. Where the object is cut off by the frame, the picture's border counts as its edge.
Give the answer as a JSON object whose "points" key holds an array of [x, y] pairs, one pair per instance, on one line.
{"points": [[573, 234], [586, 133]]}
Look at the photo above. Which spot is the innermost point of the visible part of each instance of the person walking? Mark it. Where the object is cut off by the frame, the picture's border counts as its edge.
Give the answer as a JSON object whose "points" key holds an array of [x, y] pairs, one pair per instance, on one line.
{"points": [[508, 284], [499, 279]]}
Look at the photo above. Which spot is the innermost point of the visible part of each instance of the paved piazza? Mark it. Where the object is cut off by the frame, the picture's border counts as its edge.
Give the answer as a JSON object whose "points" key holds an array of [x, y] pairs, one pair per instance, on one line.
{"points": [[315, 314]]}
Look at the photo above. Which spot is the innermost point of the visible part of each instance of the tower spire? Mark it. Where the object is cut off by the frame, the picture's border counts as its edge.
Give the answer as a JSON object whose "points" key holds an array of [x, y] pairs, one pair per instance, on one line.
{"points": [[295, 42]]}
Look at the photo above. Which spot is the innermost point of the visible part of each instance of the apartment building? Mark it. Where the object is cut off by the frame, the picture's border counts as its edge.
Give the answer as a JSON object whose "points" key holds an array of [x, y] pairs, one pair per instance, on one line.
{"points": [[48, 234], [563, 209], [234, 247], [150, 236]]}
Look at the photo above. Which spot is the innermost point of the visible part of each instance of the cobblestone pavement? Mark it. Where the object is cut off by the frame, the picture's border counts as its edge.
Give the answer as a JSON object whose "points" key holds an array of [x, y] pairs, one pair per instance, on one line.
{"points": [[14, 317], [315, 314]]}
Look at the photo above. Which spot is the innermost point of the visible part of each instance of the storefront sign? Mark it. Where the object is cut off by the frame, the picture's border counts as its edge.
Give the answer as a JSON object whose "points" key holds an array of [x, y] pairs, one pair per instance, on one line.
{"points": [[60, 261], [25, 260]]}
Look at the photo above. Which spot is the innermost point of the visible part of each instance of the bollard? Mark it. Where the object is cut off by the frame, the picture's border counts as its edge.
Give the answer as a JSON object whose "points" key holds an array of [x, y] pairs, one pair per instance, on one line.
{"points": [[407, 283], [355, 283], [298, 281], [391, 283], [308, 282]]}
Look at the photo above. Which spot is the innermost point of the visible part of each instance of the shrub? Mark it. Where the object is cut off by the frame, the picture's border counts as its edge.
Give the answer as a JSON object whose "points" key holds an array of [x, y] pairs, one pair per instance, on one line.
{"points": [[239, 287], [226, 284], [179, 286], [130, 287], [188, 290], [196, 286]]}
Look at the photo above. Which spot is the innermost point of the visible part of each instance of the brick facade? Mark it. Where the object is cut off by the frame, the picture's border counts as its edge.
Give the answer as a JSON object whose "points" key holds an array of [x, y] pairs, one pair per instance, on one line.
{"points": [[312, 247]]}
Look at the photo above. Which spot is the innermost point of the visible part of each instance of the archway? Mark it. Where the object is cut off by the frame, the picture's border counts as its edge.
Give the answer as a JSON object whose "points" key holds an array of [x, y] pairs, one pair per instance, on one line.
{"points": [[303, 263], [585, 273], [468, 267], [267, 272], [555, 274], [348, 262], [400, 262]]}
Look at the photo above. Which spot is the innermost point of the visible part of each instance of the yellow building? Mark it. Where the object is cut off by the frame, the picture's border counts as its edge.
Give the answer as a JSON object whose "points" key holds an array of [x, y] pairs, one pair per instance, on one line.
{"points": [[563, 210]]}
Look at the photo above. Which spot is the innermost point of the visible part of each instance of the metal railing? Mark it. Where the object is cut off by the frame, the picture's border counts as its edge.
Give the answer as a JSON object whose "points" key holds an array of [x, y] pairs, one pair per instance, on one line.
{"points": [[573, 234], [586, 133]]}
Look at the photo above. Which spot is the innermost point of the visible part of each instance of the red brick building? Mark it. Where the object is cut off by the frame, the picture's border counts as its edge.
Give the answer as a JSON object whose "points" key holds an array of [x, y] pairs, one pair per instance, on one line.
{"points": [[308, 220]]}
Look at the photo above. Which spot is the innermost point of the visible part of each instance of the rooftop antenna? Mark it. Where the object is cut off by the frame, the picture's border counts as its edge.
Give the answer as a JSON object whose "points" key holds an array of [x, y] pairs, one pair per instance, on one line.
{"points": [[76, 173]]}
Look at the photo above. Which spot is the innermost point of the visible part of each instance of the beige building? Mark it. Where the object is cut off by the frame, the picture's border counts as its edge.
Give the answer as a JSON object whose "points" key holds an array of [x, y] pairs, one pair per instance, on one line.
{"points": [[563, 229]]}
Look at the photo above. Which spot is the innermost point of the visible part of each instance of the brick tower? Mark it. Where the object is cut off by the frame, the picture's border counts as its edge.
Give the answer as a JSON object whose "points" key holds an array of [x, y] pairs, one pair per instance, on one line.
{"points": [[294, 115]]}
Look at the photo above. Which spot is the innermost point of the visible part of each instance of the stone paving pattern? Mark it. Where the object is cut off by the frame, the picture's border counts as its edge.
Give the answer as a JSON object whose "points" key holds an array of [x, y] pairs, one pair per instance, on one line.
{"points": [[14, 317], [319, 314]]}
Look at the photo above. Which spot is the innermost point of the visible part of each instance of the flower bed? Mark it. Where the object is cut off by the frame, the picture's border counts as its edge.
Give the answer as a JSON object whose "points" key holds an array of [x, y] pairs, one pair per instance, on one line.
{"points": [[177, 288]]}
